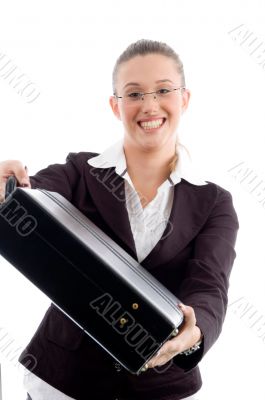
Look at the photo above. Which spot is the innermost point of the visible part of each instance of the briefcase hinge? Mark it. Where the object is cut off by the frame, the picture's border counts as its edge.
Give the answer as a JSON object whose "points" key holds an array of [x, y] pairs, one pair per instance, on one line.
{"points": [[175, 332]]}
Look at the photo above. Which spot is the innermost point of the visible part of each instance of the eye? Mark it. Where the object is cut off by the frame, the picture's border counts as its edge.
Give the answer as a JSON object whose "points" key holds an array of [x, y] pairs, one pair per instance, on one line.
{"points": [[134, 95], [163, 91]]}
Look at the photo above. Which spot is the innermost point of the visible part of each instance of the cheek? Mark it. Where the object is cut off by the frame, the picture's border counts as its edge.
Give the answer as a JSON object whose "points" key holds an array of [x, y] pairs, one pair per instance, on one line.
{"points": [[175, 111], [127, 115]]}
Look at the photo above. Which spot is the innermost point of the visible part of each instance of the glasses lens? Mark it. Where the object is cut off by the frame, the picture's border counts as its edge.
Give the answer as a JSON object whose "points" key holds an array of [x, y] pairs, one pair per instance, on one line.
{"points": [[133, 98]]}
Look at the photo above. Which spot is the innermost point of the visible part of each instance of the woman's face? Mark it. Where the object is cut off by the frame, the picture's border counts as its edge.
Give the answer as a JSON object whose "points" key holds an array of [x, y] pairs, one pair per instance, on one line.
{"points": [[149, 123]]}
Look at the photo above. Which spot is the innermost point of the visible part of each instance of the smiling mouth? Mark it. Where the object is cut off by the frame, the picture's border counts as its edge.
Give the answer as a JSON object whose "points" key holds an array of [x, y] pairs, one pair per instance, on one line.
{"points": [[151, 125]]}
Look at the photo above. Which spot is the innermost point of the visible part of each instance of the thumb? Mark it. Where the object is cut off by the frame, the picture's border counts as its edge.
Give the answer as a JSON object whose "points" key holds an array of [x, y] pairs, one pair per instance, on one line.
{"points": [[22, 177], [189, 314]]}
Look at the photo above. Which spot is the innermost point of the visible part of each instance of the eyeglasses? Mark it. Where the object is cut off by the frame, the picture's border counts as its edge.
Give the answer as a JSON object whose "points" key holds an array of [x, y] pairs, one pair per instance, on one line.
{"points": [[160, 94]]}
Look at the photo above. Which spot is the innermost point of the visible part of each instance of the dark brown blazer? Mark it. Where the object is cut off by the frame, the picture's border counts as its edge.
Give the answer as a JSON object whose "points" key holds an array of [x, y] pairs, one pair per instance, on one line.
{"points": [[193, 259]]}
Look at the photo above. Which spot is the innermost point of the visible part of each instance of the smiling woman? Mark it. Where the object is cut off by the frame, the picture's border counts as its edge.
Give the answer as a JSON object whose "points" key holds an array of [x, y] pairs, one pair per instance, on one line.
{"points": [[149, 98], [145, 174]]}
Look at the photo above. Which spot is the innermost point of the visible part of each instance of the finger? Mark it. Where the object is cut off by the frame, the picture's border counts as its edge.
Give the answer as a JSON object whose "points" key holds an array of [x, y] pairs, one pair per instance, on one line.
{"points": [[158, 353], [161, 360], [154, 358], [21, 173], [170, 347], [176, 344], [2, 193], [9, 168], [16, 168], [189, 315], [173, 346], [2, 188]]}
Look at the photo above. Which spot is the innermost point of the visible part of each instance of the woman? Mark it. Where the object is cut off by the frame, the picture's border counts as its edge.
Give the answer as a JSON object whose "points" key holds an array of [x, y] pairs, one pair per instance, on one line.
{"points": [[179, 227]]}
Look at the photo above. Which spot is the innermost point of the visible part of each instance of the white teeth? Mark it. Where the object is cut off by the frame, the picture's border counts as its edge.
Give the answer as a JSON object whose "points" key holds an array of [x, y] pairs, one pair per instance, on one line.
{"points": [[152, 124]]}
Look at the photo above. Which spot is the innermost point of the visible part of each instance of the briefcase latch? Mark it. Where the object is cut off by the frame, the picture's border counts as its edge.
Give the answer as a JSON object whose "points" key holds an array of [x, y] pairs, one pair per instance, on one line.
{"points": [[123, 321]]}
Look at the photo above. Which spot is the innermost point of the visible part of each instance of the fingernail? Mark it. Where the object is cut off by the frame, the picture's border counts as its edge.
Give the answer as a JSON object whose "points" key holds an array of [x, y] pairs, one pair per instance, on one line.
{"points": [[25, 183]]}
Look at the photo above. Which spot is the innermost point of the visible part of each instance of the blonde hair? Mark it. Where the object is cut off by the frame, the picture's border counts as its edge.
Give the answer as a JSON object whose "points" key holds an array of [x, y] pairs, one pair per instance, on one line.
{"points": [[173, 163], [143, 47]]}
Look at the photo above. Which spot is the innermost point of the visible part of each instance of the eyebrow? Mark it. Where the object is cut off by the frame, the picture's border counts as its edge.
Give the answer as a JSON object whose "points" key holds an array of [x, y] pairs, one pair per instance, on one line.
{"points": [[137, 84]]}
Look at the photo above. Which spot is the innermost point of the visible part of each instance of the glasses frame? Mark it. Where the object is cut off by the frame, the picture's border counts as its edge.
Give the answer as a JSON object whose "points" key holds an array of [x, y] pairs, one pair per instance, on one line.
{"points": [[143, 94]]}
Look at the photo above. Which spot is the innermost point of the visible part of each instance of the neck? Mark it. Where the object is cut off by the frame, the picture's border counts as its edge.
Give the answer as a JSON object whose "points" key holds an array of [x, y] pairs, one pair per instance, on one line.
{"points": [[149, 167]]}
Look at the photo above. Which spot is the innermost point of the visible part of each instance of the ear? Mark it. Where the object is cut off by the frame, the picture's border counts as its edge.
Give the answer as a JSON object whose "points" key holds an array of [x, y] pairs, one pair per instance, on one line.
{"points": [[185, 99], [114, 106]]}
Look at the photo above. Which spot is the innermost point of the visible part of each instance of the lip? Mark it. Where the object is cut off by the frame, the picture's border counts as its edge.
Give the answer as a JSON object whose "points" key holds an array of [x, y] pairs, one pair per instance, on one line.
{"points": [[150, 119]]}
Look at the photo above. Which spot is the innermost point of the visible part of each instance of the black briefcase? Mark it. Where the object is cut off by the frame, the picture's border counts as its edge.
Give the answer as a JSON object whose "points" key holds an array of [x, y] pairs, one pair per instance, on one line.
{"points": [[88, 276]]}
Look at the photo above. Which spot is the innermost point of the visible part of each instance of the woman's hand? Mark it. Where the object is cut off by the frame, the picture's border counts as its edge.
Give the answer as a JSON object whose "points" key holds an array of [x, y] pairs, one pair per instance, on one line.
{"points": [[12, 167], [189, 335]]}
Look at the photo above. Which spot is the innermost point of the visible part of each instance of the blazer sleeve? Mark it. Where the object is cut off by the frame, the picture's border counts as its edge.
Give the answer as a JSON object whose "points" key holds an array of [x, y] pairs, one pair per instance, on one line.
{"points": [[206, 280], [60, 178]]}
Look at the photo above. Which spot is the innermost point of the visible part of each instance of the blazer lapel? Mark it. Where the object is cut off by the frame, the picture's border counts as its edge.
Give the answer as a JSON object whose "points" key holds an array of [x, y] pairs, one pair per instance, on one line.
{"points": [[108, 192], [191, 206]]}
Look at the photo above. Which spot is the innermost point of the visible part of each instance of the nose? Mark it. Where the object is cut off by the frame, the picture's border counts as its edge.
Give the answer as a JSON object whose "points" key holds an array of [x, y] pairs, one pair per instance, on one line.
{"points": [[149, 102]]}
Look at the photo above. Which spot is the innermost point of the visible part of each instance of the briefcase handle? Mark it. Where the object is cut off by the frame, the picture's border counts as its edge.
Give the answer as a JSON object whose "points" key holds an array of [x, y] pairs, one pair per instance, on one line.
{"points": [[11, 185]]}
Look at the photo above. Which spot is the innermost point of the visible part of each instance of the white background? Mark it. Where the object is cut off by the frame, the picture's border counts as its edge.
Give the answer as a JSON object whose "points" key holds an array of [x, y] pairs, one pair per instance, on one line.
{"points": [[68, 49]]}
